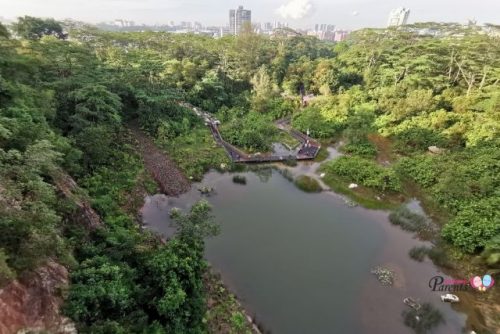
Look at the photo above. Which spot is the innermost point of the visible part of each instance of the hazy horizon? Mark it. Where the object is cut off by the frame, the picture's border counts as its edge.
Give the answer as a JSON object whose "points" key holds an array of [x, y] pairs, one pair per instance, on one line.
{"points": [[344, 14]]}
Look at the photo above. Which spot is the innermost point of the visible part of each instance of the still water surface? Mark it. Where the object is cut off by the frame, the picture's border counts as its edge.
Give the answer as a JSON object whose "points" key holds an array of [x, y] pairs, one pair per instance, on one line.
{"points": [[301, 262]]}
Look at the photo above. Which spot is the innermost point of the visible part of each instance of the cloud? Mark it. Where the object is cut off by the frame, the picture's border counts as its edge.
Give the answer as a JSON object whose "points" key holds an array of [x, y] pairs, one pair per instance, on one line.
{"points": [[296, 9]]}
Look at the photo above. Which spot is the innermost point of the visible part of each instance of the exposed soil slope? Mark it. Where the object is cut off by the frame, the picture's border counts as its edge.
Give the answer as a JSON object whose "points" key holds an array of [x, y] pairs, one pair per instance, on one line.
{"points": [[170, 179]]}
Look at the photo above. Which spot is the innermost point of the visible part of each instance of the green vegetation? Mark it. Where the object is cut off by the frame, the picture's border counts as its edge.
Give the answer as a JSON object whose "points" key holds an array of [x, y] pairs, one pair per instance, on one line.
{"points": [[307, 184], [364, 149], [65, 105], [128, 282], [409, 221], [436, 254], [424, 319], [364, 172], [63, 111], [35, 28], [239, 179], [196, 152], [225, 314], [367, 197], [253, 132], [322, 154], [466, 190], [418, 253], [286, 139], [491, 253]]}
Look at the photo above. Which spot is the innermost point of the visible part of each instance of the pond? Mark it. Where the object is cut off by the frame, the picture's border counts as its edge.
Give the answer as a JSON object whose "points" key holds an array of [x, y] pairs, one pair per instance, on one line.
{"points": [[300, 262]]}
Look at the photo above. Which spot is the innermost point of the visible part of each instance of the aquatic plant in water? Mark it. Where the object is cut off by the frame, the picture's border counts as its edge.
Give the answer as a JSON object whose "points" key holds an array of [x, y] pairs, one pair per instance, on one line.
{"points": [[307, 184], [384, 275], [423, 319], [240, 179]]}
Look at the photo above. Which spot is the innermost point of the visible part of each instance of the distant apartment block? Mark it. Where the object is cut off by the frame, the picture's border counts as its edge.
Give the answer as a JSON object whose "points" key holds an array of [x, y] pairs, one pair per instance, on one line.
{"points": [[398, 17], [324, 27], [327, 32], [340, 35], [238, 18]]}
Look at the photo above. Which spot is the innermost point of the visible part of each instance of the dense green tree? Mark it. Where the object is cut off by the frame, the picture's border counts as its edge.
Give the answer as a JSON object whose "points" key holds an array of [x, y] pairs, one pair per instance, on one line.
{"points": [[252, 132], [35, 28], [94, 104], [4, 32], [474, 225]]}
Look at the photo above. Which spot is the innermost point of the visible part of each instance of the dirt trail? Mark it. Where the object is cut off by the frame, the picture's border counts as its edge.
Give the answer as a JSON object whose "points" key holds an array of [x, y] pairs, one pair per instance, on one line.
{"points": [[171, 180]]}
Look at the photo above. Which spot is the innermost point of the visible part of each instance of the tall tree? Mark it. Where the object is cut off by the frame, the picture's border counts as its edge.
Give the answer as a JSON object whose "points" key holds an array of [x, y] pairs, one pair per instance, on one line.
{"points": [[3, 31], [35, 28]]}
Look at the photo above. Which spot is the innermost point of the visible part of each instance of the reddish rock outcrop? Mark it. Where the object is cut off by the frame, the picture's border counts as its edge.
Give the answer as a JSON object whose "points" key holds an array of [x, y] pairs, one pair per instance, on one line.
{"points": [[32, 302], [84, 213]]}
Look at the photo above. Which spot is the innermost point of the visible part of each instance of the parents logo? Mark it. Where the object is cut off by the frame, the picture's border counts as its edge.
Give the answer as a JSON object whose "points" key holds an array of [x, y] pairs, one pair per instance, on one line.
{"points": [[482, 284], [439, 283]]}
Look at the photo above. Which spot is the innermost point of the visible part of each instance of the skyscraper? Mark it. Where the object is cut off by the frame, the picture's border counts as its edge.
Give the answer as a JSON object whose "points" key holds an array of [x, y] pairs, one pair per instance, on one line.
{"points": [[398, 17], [237, 18]]}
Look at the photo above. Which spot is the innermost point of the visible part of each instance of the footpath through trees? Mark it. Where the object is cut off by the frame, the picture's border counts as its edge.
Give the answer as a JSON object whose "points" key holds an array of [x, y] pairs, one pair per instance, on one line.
{"points": [[309, 148]]}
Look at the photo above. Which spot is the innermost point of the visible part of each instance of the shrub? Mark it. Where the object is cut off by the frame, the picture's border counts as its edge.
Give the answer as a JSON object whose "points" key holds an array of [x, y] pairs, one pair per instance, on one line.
{"points": [[292, 162], [492, 251], [307, 184], [365, 172], [418, 139], [311, 119], [439, 257], [418, 253], [6, 273], [363, 149], [474, 225], [424, 319], [409, 221], [422, 169], [253, 132], [239, 179]]}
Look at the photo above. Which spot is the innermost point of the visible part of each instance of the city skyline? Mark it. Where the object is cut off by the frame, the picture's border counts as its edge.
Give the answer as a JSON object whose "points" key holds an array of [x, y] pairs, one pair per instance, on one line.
{"points": [[344, 14]]}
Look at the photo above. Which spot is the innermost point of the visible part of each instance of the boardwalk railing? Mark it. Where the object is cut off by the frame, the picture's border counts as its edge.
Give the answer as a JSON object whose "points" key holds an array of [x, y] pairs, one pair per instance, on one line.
{"points": [[309, 148]]}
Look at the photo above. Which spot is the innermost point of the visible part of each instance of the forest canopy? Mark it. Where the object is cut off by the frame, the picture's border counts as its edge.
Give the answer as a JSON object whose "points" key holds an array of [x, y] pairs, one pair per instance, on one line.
{"points": [[66, 105]]}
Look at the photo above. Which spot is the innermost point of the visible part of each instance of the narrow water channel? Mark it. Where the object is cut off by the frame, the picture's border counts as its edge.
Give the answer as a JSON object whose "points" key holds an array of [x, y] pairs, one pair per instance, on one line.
{"points": [[301, 262]]}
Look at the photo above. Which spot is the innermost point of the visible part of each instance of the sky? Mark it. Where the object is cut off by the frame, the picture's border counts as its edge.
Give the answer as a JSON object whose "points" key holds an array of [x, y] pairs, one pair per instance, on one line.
{"points": [[345, 14]]}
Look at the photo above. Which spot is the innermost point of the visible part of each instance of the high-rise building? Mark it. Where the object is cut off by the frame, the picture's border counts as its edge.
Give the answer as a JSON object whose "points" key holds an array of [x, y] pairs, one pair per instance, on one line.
{"points": [[340, 35], [324, 27], [398, 17], [238, 18]]}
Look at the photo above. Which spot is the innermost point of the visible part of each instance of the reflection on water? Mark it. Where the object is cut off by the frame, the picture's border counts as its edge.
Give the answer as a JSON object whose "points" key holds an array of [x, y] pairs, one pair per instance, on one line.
{"points": [[301, 262]]}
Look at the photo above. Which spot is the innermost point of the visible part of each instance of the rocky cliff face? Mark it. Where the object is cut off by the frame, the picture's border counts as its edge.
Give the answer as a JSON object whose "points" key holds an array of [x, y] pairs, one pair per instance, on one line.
{"points": [[32, 302], [84, 214]]}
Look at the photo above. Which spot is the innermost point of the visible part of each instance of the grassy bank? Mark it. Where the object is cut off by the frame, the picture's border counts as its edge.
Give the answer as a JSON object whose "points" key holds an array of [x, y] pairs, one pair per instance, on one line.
{"points": [[363, 196], [196, 152], [225, 314]]}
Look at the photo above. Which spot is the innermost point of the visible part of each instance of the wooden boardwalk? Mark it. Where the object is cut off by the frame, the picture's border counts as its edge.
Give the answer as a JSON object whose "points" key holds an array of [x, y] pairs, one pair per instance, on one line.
{"points": [[309, 148]]}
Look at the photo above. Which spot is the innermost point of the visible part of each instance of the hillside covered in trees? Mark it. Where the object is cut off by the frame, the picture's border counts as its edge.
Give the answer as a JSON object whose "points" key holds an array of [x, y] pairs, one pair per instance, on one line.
{"points": [[67, 99]]}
